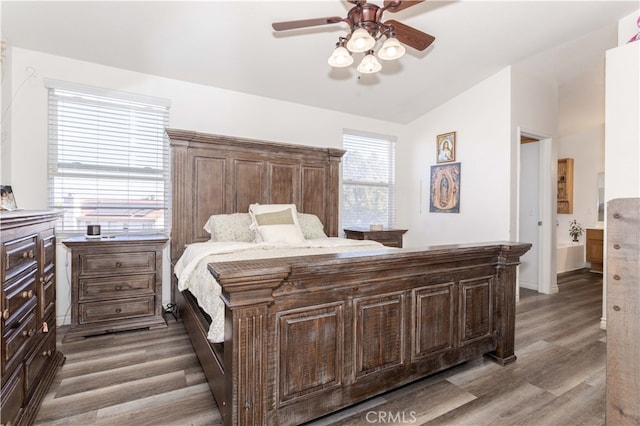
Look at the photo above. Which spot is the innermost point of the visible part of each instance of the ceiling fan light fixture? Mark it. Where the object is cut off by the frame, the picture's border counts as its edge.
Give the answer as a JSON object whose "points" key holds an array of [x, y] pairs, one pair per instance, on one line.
{"points": [[340, 57], [369, 64], [360, 41], [391, 49]]}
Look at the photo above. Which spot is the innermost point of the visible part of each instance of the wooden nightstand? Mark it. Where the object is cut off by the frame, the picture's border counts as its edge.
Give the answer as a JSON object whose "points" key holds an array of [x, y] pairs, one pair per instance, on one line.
{"points": [[116, 284], [388, 237]]}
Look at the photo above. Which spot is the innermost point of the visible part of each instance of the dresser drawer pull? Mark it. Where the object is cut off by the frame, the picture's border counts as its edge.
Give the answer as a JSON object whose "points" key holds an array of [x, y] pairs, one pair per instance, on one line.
{"points": [[118, 264], [28, 333], [28, 254], [118, 287], [5, 314], [118, 310], [46, 353], [26, 294]]}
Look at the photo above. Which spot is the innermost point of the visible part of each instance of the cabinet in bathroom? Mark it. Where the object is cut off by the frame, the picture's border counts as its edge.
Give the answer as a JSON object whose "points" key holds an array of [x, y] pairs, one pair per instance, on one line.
{"points": [[595, 248]]}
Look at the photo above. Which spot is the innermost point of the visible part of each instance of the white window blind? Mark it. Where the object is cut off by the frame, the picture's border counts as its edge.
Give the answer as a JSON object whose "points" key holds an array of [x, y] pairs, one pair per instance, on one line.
{"points": [[368, 181], [108, 160]]}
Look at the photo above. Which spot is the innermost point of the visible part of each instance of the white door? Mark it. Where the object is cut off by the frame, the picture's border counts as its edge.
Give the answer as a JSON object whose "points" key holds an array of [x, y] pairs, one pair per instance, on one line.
{"points": [[530, 213]]}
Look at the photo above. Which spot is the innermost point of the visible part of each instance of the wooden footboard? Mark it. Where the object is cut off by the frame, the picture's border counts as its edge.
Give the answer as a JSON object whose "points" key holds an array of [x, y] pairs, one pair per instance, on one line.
{"points": [[309, 335]]}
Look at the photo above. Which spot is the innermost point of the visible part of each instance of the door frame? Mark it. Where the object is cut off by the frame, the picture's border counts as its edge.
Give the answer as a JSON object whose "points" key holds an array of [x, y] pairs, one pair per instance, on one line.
{"points": [[547, 278]]}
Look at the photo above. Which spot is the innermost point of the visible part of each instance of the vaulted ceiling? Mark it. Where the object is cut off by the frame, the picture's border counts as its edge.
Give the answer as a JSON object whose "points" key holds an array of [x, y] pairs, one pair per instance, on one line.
{"points": [[231, 45]]}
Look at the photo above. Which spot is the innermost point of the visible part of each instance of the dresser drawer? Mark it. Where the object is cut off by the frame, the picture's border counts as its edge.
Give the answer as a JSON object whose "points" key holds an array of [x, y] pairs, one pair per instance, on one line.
{"points": [[12, 397], [39, 358], [20, 338], [117, 286], [92, 312], [17, 295], [19, 254], [117, 263]]}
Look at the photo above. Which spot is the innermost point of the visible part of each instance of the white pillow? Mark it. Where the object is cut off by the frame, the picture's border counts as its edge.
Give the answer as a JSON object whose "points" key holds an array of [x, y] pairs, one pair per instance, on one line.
{"points": [[276, 223], [230, 227], [311, 226]]}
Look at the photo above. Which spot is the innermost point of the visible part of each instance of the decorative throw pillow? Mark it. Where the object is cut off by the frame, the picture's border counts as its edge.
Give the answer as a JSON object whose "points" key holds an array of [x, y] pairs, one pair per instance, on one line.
{"points": [[311, 226], [276, 223], [230, 227]]}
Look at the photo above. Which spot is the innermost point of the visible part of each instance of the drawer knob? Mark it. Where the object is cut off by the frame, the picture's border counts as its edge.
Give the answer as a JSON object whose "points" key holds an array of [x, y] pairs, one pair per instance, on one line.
{"points": [[28, 333], [118, 287], [118, 264], [118, 310], [46, 353], [25, 255], [31, 255], [27, 294], [5, 314]]}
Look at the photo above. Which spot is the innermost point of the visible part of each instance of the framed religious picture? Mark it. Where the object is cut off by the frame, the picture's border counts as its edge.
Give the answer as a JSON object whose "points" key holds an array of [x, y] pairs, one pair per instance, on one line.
{"points": [[446, 148], [444, 196], [8, 200]]}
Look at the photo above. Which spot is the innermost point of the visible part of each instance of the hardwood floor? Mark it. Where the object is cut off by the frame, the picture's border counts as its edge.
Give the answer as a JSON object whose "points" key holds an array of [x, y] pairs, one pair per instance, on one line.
{"points": [[154, 378]]}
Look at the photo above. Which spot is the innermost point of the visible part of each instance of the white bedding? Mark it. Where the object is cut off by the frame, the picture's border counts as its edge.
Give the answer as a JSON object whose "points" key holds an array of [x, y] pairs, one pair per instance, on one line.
{"points": [[191, 268]]}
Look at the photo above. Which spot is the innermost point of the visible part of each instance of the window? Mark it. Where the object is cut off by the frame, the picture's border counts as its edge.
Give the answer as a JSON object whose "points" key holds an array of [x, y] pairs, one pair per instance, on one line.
{"points": [[368, 180], [108, 160]]}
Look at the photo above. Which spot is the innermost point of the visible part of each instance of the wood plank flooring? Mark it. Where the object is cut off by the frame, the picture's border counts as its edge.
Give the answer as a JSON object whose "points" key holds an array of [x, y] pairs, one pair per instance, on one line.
{"points": [[154, 378]]}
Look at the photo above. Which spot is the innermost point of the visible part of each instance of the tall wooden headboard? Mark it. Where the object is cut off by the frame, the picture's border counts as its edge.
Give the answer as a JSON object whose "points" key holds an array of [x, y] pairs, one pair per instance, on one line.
{"points": [[213, 174]]}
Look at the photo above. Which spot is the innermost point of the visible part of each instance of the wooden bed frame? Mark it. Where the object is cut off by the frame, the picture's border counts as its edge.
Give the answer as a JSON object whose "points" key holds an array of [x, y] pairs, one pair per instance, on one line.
{"points": [[309, 335]]}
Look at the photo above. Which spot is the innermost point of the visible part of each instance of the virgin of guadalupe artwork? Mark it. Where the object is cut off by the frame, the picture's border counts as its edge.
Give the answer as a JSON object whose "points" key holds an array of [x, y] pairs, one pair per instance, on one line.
{"points": [[445, 189], [446, 148]]}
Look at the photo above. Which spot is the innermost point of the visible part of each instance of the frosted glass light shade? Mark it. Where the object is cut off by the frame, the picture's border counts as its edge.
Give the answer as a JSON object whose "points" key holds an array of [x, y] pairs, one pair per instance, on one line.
{"points": [[340, 58], [360, 41], [391, 49], [369, 64]]}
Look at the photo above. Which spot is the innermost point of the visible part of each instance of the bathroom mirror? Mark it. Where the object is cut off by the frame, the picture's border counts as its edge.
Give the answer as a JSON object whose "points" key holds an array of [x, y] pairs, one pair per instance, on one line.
{"points": [[600, 197]]}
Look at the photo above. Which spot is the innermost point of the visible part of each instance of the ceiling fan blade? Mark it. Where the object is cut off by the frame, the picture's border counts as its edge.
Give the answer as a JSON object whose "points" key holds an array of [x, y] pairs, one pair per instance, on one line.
{"points": [[410, 36], [397, 5], [303, 23]]}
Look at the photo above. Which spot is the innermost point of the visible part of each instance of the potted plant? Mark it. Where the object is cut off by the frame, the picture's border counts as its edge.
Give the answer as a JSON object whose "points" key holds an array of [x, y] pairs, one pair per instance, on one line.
{"points": [[575, 230]]}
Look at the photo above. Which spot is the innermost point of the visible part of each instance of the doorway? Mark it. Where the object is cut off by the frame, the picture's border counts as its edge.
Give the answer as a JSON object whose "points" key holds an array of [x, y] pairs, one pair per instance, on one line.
{"points": [[536, 213]]}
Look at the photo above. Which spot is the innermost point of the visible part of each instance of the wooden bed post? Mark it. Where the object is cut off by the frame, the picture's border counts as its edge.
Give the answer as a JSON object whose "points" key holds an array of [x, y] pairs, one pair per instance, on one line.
{"points": [[246, 340], [506, 278]]}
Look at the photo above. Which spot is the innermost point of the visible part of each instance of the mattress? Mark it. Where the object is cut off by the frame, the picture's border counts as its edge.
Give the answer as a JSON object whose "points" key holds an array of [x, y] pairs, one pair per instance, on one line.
{"points": [[193, 275]]}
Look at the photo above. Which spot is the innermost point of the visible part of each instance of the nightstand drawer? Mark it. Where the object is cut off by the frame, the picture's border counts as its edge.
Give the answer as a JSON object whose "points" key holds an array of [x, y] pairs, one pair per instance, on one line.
{"points": [[117, 286], [93, 312], [118, 263]]}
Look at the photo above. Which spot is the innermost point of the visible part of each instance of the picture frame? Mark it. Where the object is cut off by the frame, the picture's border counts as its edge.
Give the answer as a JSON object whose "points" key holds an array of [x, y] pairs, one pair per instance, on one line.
{"points": [[446, 148], [8, 200], [444, 196]]}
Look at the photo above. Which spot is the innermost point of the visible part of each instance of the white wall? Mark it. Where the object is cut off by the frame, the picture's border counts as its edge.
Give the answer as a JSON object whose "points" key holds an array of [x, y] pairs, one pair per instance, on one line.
{"points": [[193, 107], [622, 133], [480, 118]]}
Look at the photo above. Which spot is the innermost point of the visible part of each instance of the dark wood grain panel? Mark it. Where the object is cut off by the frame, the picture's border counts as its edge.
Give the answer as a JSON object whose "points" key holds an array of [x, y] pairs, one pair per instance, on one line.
{"points": [[433, 306], [476, 308], [310, 350], [379, 326], [245, 185], [208, 181]]}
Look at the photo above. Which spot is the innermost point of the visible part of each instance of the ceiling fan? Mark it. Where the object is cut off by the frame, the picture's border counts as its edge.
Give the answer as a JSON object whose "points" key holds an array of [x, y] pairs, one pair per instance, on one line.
{"points": [[366, 28]]}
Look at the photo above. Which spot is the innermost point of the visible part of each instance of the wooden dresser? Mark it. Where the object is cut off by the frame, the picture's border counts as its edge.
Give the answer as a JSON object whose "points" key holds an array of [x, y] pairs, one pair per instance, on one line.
{"points": [[388, 237], [29, 356], [595, 248], [116, 284]]}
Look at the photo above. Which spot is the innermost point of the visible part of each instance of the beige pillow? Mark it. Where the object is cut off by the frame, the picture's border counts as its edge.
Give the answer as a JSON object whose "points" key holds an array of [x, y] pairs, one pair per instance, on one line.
{"points": [[276, 223], [311, 226], [230, 227]]}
